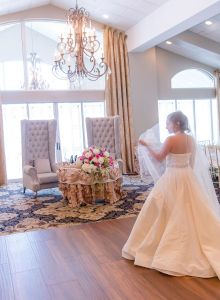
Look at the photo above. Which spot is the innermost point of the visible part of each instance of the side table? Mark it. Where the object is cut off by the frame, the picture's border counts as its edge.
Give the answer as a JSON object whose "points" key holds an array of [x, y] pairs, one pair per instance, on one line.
{"points": [[79, 187]]}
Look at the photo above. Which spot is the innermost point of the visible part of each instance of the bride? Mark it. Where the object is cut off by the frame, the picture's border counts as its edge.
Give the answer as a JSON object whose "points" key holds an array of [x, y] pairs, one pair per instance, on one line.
{"points": [[177, 230]]}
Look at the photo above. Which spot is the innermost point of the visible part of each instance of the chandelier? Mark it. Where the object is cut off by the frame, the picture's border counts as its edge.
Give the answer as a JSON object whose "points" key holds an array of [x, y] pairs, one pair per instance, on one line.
{"points": [[36, 80], [78, 53]]}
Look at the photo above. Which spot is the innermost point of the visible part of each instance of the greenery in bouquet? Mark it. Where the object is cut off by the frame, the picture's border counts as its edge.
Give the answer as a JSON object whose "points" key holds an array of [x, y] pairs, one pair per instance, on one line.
{"points": [[95, 160]]}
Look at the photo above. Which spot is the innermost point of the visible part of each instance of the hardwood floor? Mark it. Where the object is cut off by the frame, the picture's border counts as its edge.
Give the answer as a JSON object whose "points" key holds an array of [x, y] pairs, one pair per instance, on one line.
{"points": [[84, 262]]}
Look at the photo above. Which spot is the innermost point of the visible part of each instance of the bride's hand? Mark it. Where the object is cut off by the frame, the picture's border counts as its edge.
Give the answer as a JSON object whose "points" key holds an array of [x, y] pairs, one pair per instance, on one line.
{"points": [[142, 142]]}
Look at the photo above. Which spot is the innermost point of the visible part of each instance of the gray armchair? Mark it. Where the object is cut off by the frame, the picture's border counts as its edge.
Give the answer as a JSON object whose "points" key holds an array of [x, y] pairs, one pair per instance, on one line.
{"points": [[38, 154], [105, 132]]}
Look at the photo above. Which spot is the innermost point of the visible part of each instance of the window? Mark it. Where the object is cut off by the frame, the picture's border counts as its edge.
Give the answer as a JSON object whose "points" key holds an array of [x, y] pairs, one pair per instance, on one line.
{"points": [[71, 130], [165, 107], [12, 116], [42, 111], [19, 41], [201, 113], [11, 64], [92, 110], [192, 78], [72, 125]]}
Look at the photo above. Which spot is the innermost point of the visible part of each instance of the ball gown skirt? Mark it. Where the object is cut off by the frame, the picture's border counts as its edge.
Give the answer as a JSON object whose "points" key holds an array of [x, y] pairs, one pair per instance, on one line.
{"points": [[176, 231]]}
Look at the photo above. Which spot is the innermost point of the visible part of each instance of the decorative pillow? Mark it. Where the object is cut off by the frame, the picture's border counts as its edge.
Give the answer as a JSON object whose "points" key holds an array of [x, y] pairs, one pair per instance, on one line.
{"points": [[42, 165]]}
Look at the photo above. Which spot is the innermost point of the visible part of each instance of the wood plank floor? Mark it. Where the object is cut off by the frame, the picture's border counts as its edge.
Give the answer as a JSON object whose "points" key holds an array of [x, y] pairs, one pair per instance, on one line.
{"points": [[84, 262]]}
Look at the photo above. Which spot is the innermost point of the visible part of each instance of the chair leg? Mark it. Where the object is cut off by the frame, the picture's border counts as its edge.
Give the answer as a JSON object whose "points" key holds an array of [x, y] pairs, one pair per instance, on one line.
{"points": [[24, 189]]}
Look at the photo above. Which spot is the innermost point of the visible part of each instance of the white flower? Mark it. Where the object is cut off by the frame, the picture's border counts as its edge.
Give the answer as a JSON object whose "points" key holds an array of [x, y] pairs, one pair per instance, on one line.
{"points": [[78, 163], [96, 151], [106, 154], [88, 154], [87, 168], [101, 160], [93, 168]]}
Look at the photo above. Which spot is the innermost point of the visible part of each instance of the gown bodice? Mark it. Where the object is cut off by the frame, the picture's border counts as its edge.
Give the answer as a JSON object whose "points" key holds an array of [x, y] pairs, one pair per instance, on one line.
{"points": [[178, 160]]}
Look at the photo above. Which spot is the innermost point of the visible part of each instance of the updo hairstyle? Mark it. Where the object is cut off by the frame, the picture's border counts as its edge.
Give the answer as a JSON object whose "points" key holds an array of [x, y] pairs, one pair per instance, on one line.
{"points": [[178, 118]]}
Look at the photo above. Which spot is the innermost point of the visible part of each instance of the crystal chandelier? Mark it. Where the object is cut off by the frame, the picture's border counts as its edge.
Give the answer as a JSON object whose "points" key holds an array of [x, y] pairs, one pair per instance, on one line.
{"points": [[77, 52], [36, 80]]}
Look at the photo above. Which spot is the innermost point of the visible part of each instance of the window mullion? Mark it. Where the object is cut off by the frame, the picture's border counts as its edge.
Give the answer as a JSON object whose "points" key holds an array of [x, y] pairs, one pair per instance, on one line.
{"points": [[83, 127], [211, 116], [175, 103], [194, 116], [28, 113], [24, 55], [58, 146]]}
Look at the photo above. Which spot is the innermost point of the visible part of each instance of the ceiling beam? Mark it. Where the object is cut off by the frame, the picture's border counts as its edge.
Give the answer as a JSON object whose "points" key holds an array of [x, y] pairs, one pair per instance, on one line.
{"points": [[170, 19], [195, 47]]}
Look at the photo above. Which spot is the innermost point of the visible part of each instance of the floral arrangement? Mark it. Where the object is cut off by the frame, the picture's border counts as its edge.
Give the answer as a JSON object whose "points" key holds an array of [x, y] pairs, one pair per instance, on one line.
{"points": [[95, 160]]}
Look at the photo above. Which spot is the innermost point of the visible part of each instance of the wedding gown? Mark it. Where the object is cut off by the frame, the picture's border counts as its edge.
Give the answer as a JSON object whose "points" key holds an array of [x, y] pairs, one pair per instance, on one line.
{"points": [[177, 231]]}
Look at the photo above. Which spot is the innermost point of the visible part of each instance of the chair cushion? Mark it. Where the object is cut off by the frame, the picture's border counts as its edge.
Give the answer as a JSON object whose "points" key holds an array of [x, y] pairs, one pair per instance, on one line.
{"points": [[47, 177], [42, 165]]}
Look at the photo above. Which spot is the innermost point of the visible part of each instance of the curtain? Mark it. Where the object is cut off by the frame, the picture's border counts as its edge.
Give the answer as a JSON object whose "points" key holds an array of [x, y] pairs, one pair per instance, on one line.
{"points": [[3, 177], [117, 92], [217, 86]]}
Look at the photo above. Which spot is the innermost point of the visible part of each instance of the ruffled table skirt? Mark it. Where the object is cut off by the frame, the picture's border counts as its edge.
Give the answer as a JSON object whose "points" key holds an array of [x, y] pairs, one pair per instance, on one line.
{"points": [[77, 194], [78, 187]]}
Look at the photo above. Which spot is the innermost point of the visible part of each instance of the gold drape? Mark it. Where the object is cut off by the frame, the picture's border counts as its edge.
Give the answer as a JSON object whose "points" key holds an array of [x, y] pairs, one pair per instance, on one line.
{"points": [[3, 177], [117, 91]]}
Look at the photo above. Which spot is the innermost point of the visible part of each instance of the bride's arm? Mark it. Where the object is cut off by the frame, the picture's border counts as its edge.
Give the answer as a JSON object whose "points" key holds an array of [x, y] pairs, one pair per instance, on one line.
{"points": [[162, 153]]}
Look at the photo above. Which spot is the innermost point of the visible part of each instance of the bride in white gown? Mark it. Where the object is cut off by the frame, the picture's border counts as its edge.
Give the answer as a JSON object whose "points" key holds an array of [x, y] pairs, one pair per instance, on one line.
{"points": [[177, 231]]}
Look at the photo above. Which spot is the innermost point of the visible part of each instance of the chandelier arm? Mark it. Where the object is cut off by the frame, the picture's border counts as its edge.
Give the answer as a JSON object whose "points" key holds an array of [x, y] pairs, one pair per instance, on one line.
{"points": [[77, 54]]}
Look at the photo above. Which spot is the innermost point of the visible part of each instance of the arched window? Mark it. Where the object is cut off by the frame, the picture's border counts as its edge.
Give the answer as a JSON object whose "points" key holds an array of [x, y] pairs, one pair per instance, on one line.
{"points": [[21, 42], [26, 53], [192, 78], [196, 99]]}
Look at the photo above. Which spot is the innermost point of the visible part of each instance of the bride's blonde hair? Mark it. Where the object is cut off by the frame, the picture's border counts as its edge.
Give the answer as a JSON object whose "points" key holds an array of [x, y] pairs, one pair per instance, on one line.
{"points": [[178, 118]]}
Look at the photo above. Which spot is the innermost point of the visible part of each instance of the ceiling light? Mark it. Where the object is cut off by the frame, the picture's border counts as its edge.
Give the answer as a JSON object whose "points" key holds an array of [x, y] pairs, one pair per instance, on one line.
{"points": [[208, 23], [169, 43], [105, 16], [79, 54]]}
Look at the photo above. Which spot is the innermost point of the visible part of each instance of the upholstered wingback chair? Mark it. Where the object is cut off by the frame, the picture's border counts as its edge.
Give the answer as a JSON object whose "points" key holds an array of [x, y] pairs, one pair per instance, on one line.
{"points": [[38, 154], [105, 132]]}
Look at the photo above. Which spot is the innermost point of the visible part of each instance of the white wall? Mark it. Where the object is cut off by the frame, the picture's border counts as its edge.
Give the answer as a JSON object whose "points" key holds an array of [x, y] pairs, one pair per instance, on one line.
{"points": [[168, 64], [151, 73]]}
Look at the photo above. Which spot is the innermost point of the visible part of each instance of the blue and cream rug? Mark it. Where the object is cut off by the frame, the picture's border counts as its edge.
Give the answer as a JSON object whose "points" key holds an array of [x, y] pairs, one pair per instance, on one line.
{"points": [[21, 212]]}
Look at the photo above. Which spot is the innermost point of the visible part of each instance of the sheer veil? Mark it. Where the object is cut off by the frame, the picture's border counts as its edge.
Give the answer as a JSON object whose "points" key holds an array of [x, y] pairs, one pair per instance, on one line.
{"points": [[150, 166]]}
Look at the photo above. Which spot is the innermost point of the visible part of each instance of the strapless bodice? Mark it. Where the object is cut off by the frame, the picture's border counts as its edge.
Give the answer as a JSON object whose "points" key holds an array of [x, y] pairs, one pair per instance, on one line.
{"points": [[178, 160]]}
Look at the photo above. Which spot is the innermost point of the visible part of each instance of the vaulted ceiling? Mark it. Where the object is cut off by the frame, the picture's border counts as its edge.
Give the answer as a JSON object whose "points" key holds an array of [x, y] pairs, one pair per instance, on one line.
{"points": [[122, 14], [150, 23], [200, 43]]}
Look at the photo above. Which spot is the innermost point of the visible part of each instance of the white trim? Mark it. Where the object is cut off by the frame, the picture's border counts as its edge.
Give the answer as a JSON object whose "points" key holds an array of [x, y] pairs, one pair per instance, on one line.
{"points": [[12, 97], [184, 94]]}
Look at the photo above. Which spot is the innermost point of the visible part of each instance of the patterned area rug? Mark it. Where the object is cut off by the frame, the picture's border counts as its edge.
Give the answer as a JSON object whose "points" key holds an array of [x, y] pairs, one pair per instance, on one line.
{"points": [[21, 212]]}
